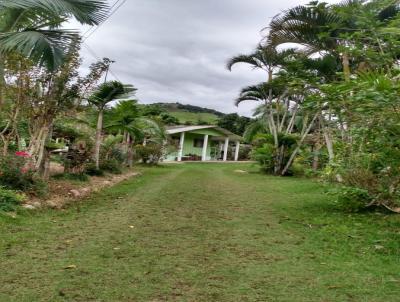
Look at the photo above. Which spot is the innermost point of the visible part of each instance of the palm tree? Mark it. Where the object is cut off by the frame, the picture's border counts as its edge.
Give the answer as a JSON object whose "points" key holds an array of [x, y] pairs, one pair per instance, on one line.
{"points": [[264, 57], [126, 117], [319, 27], [33, 27], [282, 103], [106, 93]]}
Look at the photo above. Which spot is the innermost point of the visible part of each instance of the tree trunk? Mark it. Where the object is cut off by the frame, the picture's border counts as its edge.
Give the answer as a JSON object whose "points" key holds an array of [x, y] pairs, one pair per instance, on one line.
{"points": [[130, 152], [37, 143], [2, 81], [315, 163], [41, 150], [125, 142], [290, 126], [346, 66], [299, 145], [329, 144], [99, 131], [5, 145], [44, 169]]}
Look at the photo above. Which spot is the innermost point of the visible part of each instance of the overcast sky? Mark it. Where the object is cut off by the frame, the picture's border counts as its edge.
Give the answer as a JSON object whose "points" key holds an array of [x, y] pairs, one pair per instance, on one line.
{"points": [[176, 50]]}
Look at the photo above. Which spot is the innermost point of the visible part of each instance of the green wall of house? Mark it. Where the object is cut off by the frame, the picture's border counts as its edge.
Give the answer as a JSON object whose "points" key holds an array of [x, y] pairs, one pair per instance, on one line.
{"points": [[190, 149]]}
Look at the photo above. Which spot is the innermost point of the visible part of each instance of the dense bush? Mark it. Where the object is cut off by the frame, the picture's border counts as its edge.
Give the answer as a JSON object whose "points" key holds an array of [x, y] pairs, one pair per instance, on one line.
{"points": [[149, 154], [77, 157], [352, 199], [90, 169], [264, 151], [17, 174], [245, 152], [111, 165], [9, 200]]}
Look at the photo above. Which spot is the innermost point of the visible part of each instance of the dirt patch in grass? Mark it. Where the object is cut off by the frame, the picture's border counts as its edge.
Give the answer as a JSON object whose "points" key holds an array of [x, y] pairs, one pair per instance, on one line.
{"points": [[64, 192]]}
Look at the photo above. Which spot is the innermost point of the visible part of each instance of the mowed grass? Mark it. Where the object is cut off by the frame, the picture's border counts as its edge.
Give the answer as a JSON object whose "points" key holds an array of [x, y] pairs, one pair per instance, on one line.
{"points": [[184, 116], [201, 232]]}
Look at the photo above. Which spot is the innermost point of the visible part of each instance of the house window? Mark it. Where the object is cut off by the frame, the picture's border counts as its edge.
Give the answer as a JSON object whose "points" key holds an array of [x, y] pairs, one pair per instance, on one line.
{"points": [[198, 143]]}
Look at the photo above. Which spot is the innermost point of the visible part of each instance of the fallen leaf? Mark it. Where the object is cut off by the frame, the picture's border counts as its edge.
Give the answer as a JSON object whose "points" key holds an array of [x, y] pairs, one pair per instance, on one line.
{"points": [[72, 266]]}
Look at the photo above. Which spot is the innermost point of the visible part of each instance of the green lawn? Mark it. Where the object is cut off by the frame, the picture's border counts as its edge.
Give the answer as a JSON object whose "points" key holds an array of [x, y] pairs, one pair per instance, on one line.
{"points": [[201, 232], [184, 116]]}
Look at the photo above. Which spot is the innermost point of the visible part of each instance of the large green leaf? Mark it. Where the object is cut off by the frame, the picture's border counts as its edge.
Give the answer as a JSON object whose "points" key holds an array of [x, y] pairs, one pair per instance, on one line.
{"points": [[47, 47], [89, 12]]}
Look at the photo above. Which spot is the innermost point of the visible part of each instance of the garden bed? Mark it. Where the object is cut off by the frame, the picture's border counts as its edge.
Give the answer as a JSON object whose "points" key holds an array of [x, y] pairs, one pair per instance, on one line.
{"points": [[62, 191]]}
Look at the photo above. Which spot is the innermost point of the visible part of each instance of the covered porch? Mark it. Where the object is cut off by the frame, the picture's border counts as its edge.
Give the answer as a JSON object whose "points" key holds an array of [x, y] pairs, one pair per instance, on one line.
{"points": [[203, 143]]}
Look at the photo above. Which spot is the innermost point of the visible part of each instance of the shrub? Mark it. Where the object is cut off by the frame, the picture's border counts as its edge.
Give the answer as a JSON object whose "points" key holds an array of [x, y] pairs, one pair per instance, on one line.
{"points": [[77, 158], [112, 166], [264, 155], [90, 169], [353, 199], [149, 154], [17, 174], [245, 152], [9, 200]]}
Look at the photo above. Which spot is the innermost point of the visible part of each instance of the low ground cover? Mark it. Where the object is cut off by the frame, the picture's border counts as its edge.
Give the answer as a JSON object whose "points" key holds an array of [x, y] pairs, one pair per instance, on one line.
{"points": [[201, 232]]}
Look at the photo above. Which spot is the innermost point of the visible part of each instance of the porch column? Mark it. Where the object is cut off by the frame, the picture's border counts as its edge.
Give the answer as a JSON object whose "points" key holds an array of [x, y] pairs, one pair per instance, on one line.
{"points": [[237, 150], [164, 151], [205, 144], [181, 141], [226, 148]]}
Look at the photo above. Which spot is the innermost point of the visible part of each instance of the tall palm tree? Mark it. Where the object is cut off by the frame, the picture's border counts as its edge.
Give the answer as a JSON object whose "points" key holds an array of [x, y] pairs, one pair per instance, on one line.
{"points": [[106, 93]]}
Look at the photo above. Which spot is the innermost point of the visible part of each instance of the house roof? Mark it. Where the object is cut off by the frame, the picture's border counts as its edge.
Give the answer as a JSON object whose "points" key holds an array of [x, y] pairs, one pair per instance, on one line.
{"points": [[180, 129]]}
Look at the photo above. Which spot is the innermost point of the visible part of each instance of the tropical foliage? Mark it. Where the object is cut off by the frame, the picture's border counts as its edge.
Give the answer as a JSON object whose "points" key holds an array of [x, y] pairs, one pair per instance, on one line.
{"points": [[51, 113], [330, 104]]}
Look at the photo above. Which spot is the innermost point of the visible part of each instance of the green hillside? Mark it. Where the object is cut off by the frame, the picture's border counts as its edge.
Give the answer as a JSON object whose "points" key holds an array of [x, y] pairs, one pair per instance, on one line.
{"points": [[196, 118], [191, 114]]}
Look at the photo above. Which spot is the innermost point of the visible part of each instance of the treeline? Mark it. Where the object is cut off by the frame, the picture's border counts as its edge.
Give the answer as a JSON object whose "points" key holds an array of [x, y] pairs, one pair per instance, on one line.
{"points": [[188, 108]]}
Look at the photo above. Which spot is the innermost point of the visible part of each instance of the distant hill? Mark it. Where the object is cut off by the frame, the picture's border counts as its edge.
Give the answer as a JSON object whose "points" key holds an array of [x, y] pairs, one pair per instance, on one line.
{"points": [[191, 114], [180, 114]]}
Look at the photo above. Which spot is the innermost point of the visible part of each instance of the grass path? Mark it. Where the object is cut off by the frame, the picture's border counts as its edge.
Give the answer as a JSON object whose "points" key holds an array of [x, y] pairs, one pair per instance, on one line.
{"points": [[201, 232]]}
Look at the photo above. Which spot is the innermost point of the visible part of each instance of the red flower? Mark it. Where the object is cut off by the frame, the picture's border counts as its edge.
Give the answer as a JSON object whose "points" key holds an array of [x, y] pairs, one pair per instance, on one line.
{"points": [[22, 154]]}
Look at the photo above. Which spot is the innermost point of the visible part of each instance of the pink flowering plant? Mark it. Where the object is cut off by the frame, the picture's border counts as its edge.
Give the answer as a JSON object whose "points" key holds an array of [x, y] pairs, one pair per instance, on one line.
{"points": [[17, 173]]}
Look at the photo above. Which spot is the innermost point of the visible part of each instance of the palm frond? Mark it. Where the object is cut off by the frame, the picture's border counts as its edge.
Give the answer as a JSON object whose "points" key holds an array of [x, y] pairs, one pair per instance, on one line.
{"points": [[110, 91], [256, 127], [248, 59], [47, 47], [304, 25], [89, 12]]}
